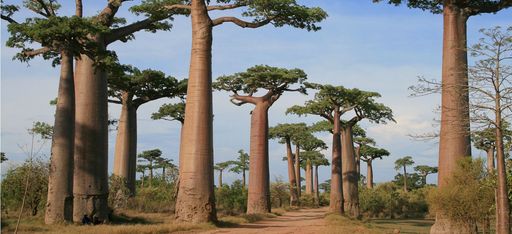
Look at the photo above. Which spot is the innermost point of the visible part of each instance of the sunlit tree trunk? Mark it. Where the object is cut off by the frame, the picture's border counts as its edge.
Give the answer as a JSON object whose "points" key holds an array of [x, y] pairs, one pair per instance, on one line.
{"points": [[405, 179], [90, 180], [258, 200], [294, 198], [349, 173], [220, 178], [358, 162], [196, 201], [59, 206], [309, 177], [125, 155], [336, 195], [369, 176], [454, 142]]}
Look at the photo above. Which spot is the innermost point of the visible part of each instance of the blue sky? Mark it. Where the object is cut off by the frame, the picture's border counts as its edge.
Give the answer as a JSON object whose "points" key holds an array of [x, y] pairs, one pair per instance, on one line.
{"points": [[375, 47]]}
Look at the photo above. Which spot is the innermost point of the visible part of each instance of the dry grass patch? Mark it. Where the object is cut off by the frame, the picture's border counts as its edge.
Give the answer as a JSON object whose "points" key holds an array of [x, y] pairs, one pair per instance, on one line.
{"points": [[341, 224]]}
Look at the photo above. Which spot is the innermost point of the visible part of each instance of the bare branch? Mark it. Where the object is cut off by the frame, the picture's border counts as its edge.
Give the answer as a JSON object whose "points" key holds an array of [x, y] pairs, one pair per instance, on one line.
{"points": [[31, 53], [9, 19], [224, 7]]}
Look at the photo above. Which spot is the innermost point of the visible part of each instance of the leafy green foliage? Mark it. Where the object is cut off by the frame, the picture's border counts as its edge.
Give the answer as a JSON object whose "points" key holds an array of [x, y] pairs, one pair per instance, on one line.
{"points": [[231, 199], [287, 131], [3, 158], [403, 162], [241, 164], [222, 165], [414, 180], [160, 197], [370, 153], [279, 193], [471, 7], [330, 99], [56, 33], [34, 171], [274, 80], [468, 195], [424, 171], [143, 86], [42, 129], [387, 200], [171, 112]]}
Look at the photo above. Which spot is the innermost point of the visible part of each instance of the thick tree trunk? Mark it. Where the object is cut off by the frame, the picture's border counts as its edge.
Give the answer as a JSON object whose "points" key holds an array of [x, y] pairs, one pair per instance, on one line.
{"points": [[294, 197], [358, 162], [196, 199], [59, 206], [350, 178], [258, 200], [317, 193], [125, 156], [490, 159], [297, 169], [454, 142], [90, 180], [309, 177], [336, 195], [502, 202], [369, 176]]}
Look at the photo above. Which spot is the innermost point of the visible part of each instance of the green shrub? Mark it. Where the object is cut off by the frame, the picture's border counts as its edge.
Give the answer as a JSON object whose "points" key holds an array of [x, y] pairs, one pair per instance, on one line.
{"points": [[279, 194], [231, 200], [307, 200], [118, 192], [388, 200], [157, 198], [468, 195], [14, 182]]}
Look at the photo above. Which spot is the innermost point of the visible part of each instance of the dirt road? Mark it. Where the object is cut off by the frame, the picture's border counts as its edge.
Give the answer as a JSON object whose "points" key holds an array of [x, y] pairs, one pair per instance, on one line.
{"points": [[303, 221]]}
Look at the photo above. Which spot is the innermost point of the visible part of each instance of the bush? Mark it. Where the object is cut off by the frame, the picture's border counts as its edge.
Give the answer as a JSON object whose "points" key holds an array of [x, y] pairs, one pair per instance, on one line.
{"points": [[160, 197], [231, 200], [14, 183], [279, 194], [468, 195], [307, 200], [388, 200], [118, 193]]}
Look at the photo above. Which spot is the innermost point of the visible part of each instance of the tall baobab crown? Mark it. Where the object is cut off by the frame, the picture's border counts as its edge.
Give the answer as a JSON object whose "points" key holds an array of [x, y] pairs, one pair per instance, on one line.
{"points": [[274, 80], [370, 153], [471, 7]]}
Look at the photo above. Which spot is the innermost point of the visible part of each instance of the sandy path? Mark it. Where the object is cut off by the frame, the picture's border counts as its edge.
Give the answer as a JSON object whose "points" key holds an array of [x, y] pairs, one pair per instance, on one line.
{"points": [[302, 221]]}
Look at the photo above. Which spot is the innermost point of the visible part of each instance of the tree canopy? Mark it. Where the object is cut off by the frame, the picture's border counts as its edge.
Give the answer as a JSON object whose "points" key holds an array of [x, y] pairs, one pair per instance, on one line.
{"points": [[241, 164], [369, 153], [274, 80], [473, 7], [142, 86], [287, 131], [403, 162], [330, 99], [171, 112]]}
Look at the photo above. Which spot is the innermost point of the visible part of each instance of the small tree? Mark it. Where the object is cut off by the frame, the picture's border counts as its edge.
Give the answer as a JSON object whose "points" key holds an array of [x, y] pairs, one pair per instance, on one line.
{"points": [[171, 112], [403, 163], [286, 133], [164, 164], [368, 154], [331, 102], [424, 171], [275, 81], [241, 165], [221, 167], [151, 157]]}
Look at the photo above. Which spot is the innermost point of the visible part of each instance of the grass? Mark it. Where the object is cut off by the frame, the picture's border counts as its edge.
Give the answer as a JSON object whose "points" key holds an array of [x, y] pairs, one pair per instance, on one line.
{"points": [[125, 222], [404, 225], [343, 224]]}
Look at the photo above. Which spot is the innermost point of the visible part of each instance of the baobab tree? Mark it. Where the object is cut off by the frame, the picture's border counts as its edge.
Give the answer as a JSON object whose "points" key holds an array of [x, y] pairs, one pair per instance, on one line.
{"points": [[195, 201], [424, 171], [171, 112], [285, 133], [131, 88], [151, 157], [221, 167], [311, 146], [61, 47], [164, 163], [318, 161], [454, 142], [274, 81], [403, 163], [368, 154], [241, 165], [361, 140], [331, 102], [491, 103]]}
